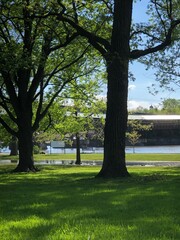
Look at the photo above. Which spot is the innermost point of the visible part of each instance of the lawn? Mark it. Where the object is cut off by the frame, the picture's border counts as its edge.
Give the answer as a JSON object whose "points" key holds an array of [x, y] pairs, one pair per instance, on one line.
{"points": [[68, 203], [98, 156]]}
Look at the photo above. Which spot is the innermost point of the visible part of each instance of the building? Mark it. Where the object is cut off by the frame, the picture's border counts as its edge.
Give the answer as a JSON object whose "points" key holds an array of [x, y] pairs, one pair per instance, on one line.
{"points": [[165, 130]]}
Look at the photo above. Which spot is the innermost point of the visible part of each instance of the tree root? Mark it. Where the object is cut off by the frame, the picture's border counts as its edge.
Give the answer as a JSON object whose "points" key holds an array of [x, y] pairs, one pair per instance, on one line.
{"points": [[113, 173], [26, 169]]}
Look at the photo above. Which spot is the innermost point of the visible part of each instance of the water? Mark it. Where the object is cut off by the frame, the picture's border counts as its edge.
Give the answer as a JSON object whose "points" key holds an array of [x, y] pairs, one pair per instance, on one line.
{"points": [[155, 149], [150, 149], [138, 149]]}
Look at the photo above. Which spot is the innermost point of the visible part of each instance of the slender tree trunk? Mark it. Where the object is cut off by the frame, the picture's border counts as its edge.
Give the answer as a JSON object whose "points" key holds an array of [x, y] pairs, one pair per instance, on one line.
{"points": [[13, 146], [114, 164], [25, 139], [133, 149], [78, 155]]}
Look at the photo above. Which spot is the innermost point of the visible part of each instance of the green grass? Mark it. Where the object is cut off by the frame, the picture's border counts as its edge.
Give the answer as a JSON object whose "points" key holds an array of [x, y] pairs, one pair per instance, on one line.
{"points": [[153, 157], [68, 203], [129, 157]]}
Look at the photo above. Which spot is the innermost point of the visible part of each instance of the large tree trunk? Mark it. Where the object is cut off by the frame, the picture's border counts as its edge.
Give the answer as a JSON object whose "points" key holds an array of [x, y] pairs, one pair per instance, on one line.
{"points": [[25, 138], [114, 164], [116, 122]]}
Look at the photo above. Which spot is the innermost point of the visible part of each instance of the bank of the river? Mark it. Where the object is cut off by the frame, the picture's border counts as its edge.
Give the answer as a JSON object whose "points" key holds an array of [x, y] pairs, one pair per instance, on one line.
{"points": [[98, 157]]}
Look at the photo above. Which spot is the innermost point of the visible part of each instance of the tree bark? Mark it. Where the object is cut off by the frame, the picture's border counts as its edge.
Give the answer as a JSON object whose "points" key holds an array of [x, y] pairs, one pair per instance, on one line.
{"points": [[25, 139], [116, 121], [114, 164]]}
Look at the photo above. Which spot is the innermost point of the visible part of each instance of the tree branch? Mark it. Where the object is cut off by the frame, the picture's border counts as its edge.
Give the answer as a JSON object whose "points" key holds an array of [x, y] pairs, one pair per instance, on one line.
{"points": [[50, 122], [5, 107], [168, 40], [40, 71], [11, 90], [6, 126], [75, 11], [101, 44], [68, 41], [41, 115]]}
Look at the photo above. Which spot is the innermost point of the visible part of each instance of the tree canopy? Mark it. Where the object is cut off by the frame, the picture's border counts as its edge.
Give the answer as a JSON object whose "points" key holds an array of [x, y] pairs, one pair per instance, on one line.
{"points": [[35, 67]]}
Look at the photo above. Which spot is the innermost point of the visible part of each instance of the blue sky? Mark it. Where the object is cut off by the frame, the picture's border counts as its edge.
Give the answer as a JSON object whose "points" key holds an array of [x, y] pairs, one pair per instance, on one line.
{"points": [[138, 90]]}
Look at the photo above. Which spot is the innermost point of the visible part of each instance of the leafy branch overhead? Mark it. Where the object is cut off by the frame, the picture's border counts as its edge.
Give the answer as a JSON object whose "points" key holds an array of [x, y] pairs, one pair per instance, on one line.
{"points": [[34, 57], [159, 32]]}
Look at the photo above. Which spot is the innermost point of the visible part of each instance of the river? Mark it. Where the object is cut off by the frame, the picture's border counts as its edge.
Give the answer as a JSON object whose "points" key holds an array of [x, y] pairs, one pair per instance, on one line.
{"points": [[137, 149]]}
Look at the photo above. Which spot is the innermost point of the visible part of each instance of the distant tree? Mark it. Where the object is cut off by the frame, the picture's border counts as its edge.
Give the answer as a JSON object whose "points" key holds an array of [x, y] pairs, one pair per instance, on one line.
{"points": [[135, 129], [13, 146], [167, 106], [171, 106], [5, 137]]}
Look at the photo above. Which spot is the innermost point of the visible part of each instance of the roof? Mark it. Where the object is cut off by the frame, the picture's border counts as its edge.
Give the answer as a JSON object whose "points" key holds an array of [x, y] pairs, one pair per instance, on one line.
{"points": [[154, 117]]}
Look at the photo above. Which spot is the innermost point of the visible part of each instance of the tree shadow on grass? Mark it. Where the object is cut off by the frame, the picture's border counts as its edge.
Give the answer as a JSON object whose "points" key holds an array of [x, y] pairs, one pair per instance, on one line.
{"points": [[43, 204]]}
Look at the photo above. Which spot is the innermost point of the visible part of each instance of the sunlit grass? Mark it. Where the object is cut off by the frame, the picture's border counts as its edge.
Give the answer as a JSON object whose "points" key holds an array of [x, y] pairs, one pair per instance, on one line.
{"points": [[98, 156], [153, 157], [67, 202]]}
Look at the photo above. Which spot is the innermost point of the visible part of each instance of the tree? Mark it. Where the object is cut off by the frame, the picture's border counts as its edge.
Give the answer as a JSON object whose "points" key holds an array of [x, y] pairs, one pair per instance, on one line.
{"points": [[134, 131], [118, 46], [35, 67], [171, 106], [74, 117]]}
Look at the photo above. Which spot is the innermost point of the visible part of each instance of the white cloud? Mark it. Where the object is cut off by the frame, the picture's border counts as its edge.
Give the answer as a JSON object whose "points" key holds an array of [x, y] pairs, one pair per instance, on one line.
{"points": [[132, 87], [132, 105]]}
